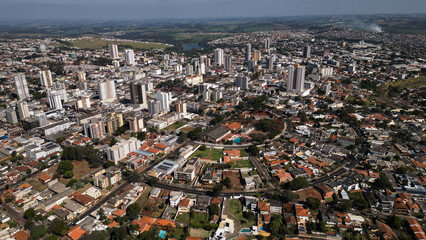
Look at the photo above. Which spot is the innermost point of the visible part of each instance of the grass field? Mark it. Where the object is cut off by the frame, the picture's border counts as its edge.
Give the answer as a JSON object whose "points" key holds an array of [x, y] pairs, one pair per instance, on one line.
{"points": [[144, 197], [176, 233], [174, 126], [201, 154], [243, 153], [199, 218], [216, 154], [242, 164], [410, 83], [97, 43], [236, 209], [183, 218], [199, 232]]}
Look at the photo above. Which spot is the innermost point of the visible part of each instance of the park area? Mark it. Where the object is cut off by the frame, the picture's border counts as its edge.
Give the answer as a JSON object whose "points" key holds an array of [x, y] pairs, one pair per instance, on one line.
{"points": [[236, 209], [242, 164], [97, 43]]}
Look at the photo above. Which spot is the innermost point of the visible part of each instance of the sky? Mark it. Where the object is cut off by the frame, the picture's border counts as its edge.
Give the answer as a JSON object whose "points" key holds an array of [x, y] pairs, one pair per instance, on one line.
{"points": [[172, 9]]}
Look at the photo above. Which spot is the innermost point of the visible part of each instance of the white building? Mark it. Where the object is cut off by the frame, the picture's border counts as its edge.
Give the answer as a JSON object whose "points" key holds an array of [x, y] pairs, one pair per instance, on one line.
{"points": [[121, 149], [129, 57], [46, 78], [23, 110], [83, 103], [175, 197], [21, 86], [54, 99], [56, 127], [218, 56], [113, 51], [165, 100], [107, 90]]}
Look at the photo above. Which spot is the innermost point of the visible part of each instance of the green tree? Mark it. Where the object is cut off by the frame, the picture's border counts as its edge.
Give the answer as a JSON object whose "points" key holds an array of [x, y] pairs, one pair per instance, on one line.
{"points": [[202, 148], [253, 150], [64, 166], [38, 231], [313, 203], [113, 142], [133, 211], [298, 183], [68, 174], [30, 213], [214, 209], [217, 189], [227, 182], [394, 222], [58, 227]]}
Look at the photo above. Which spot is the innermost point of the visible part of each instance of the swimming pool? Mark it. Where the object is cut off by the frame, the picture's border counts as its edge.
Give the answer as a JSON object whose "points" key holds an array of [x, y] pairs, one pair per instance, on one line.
{"points": [[263, 229], [162, 234], [237, 140], [245, 230]]}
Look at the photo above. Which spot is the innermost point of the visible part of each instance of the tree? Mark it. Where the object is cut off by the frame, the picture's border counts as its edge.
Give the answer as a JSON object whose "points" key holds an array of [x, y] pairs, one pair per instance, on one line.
{"points": [[217, 189], [65, 166], [313, 203], [298, 183], [202, 148], [113, 142], [38, 231], [288, 196], [119, 233], [394, 222], [101, 213], [253, 150], [227, 182], [58, 227], [60, 139], [214, 209], [68, 174], [133, 211], [131, 176], [30, 213], [71, 182]]}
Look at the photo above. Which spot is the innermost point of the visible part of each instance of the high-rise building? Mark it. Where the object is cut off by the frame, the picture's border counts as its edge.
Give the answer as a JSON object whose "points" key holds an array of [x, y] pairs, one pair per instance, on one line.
{"points": [[116, 63], [81, 76], [327, 89], [113, 51], [154, 106], [113, 122], [41, 118], [218, 56], [54, 100], [165, 100], [46, 78], [307, 51], [94, 128], [267, 43], [11, 116], [42, 48], [107, 90], [129, 56], [242, 82], [83, 103], [270, 63], [248, 52], [228, 62], [257, 55], [181, 107], [216, 95], [207, 95], [136, 124], [23, 110], [296, 79], [138, 93], [21, 86]]}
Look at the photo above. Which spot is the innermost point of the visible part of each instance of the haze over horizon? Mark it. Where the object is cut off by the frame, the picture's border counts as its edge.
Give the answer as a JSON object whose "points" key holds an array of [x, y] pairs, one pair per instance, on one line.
{"points": [[15, 10]]}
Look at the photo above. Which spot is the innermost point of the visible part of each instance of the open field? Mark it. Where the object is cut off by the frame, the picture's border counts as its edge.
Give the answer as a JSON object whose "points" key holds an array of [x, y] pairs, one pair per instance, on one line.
{"points": [[97, 43], [410, 83], [183, 218], [199, 232], [235, 179], [242, 164], [216, 154], [307, 193]]}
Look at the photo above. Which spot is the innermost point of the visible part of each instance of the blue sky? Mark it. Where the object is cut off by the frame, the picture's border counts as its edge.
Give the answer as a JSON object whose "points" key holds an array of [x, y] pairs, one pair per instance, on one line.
{"points": [[166, 9]]}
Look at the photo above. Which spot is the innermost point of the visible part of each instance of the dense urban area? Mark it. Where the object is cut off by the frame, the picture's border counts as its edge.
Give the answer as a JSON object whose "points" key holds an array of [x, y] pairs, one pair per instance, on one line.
{"points": [[310, 133]]}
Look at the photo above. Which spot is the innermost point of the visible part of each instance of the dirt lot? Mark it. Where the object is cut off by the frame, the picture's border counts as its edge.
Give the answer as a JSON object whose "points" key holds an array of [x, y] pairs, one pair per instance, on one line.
{"points": [[308, 192], [235, 179]]}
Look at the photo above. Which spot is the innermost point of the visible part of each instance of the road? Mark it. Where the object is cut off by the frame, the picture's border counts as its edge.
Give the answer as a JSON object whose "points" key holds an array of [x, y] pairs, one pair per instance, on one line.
{"points": [[13, 214], [103, 200], [272, 182], [223, 145]]}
